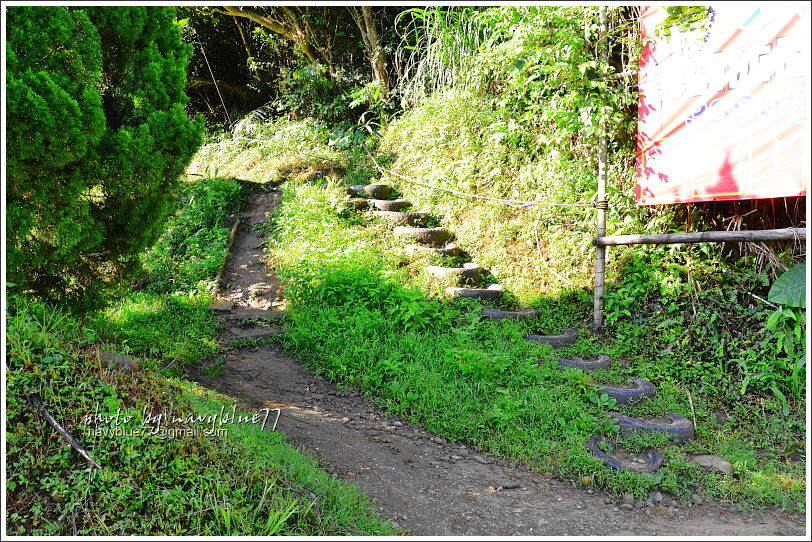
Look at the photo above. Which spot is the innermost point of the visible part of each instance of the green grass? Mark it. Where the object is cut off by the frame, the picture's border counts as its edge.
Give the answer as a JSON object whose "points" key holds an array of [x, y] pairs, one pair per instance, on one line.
{"points": [[362, 312], [244, 481]]}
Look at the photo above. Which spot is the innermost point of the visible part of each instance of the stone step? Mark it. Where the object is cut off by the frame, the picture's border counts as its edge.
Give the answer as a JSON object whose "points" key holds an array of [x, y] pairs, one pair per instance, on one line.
{"points": [[376, 191], [468, 273], [359, 204], [412, 218], [389, 204], [434, 237], [449, 250], [491, 293]]}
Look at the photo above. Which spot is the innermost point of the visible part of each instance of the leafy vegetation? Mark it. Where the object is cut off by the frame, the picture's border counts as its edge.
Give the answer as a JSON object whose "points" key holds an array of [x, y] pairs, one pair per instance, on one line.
{"points": [[478, 106], [243, 480], [362, 312], [175, 478], [90, 186]]}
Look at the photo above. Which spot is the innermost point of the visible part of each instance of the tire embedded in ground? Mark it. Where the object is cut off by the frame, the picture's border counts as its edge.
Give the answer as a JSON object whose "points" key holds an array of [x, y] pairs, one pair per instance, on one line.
{"points": [[389, 204], [523, 314], [376, 191], [601, 362], [491, 293], [361, 204], [628, 393], [677, 426], [654, 459], [468, 273], [567, 338], [427, 236], [412, 218], [449, 250]]}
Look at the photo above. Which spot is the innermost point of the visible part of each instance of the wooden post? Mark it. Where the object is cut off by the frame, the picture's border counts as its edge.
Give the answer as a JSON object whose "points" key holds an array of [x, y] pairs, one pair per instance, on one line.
{"points": [[600, 252]]}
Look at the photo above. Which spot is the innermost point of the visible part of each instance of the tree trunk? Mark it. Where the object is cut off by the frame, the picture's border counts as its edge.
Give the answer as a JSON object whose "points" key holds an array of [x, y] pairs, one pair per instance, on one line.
{"points": [[366, 24], [287, 26]]}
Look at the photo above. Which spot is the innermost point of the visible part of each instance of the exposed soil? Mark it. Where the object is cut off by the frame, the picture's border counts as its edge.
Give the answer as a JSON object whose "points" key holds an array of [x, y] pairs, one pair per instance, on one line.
{"points": [[421, 482]]}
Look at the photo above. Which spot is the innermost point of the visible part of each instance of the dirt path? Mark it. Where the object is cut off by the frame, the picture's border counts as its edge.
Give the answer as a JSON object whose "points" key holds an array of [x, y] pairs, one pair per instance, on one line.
{"points": [[424, 484]]}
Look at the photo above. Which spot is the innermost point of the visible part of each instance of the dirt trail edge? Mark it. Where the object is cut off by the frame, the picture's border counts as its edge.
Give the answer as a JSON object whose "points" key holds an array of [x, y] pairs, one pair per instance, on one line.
{"points": [[421, 482]]}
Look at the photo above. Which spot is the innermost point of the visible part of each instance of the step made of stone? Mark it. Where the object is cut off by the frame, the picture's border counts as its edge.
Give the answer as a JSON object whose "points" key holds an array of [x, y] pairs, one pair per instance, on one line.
{"points": [[426, 236], [414, 218], [449, 250], [389, 204], [469, 272], [376, 191]]}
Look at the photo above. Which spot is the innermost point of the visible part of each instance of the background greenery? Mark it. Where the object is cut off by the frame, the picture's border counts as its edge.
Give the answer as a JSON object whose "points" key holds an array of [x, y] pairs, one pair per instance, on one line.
{"points": [[499, 102]]}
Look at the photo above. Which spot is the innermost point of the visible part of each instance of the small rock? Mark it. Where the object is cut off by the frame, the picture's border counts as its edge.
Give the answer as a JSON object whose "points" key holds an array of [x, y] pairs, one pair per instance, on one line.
{"points": [[480, 459], [397, 424], [615, 509], [627, 506], [628, 498], [657, 497], [344, 420], [221, 305], [57, 498], [607, 500], [696, 499], [713, 462], [119, 361], [390, 428], [510, 486], [438, 440], [432, 492], [456, 457]]}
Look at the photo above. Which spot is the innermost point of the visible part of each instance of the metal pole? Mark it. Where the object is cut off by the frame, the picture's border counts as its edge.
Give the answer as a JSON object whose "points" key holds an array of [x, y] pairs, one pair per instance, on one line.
{"points": [[741, 236], [600, 252]]}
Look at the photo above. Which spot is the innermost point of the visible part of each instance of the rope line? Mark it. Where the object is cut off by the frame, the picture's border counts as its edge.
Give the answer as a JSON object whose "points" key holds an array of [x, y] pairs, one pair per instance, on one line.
{"points": [[509, 202]]}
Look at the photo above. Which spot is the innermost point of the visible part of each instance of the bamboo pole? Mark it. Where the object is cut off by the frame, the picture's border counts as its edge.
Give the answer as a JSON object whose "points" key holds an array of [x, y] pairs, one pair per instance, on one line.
{"points": [[785, 234], [600, 252]]}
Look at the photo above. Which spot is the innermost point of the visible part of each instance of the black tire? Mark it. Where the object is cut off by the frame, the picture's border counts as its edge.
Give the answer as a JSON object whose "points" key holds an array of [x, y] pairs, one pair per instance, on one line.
{"points": [[522, 314], [567, 338], [389, 204], [413, 218], [601, 362], [654, 459], [468, 273], [426, 236], [623, 394], [492, 293], [678, 427], [376, 191]]}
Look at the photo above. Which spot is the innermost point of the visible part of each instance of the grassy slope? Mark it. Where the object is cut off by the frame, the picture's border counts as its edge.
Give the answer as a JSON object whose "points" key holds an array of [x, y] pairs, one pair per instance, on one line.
{"points": [[247, 481], [364, 312], [361, 312]]}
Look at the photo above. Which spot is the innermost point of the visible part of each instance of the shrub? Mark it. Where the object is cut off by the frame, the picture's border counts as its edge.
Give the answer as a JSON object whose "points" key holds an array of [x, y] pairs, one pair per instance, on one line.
{"points": [[97, 136]]}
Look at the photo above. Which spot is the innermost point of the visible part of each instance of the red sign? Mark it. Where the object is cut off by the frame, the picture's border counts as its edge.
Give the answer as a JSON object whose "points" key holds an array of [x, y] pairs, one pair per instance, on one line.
{"points": [[728, 117]]}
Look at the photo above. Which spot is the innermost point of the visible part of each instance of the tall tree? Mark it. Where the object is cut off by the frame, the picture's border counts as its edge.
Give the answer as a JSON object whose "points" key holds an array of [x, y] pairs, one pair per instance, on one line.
{"points": [[97, 137], [286, 21], [365, 20]]}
